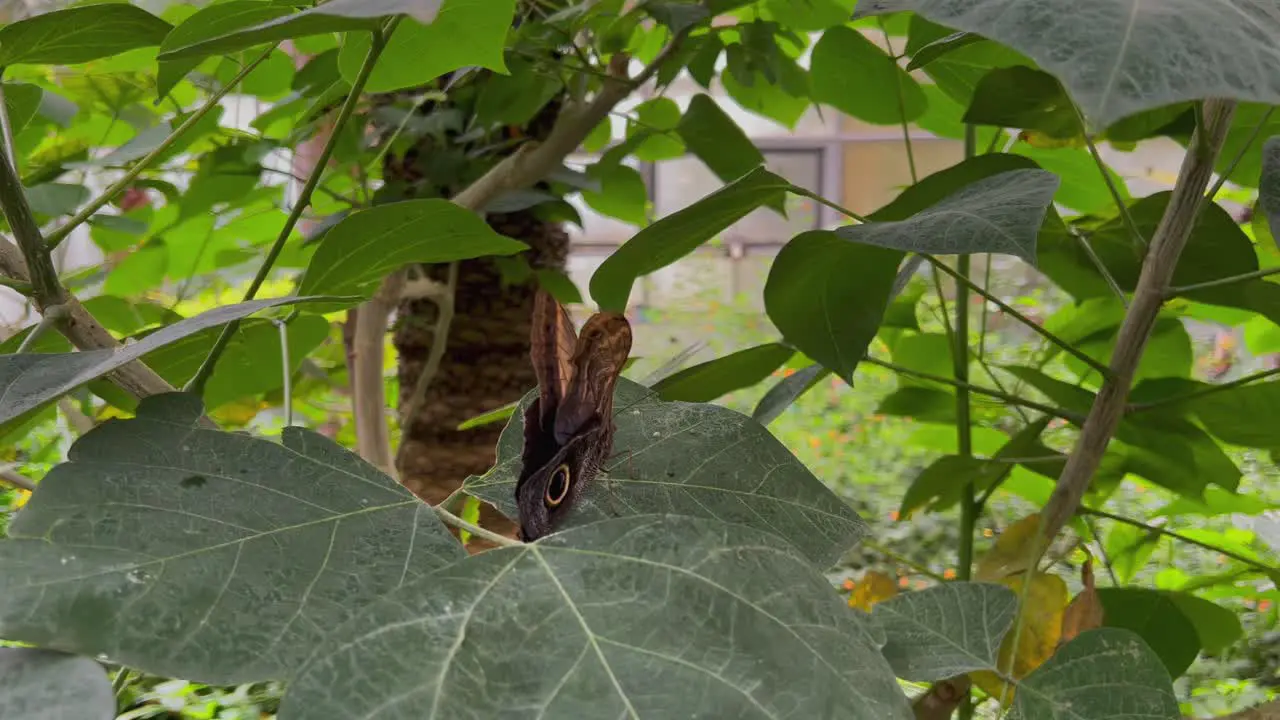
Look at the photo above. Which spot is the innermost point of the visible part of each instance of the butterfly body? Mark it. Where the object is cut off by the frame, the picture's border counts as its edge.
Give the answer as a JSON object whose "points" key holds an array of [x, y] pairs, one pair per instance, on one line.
{"points": [[568, 428]]}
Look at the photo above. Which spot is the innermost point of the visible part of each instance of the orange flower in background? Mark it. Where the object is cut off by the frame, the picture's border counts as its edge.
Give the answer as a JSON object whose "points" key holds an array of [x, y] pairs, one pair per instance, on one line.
{"points": [[814, 442], [1264, 605], [893, 515], [949, 573], [788, 372]]}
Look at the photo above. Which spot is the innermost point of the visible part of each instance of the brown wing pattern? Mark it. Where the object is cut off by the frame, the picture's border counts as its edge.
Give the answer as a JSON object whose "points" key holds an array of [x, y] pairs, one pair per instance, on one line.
{"points": [[552, 343], [597, 361]]}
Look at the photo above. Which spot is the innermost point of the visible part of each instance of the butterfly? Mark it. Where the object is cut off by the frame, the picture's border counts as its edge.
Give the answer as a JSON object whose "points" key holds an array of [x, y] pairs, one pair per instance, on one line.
{"points": [[568, 428]]}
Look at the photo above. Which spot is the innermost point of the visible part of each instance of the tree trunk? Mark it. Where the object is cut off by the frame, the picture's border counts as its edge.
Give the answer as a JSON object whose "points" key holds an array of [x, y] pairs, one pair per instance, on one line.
{"points": [[485, 366]]}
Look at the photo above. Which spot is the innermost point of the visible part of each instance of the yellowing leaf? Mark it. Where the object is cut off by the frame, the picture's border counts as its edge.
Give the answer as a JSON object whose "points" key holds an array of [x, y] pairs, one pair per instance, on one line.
{"points": [[1037, 630], [874, 587], [1085, 611], [1009, 555], [20, 498]]}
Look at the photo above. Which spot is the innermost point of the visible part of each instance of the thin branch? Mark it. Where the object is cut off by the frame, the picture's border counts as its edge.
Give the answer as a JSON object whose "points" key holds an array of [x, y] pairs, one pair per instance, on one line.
{"points": [[368, 393], [10, 477], [53, 316], [903, 560], [450, 519], [1157, 268], [1212, 389], [444, 301], [1102, 268], [96, 204], [1240, 155], [1187, 289], [1009, 310], [1251, 562], [1111, 186], [197, 383], [978, 389], [78, 421]]}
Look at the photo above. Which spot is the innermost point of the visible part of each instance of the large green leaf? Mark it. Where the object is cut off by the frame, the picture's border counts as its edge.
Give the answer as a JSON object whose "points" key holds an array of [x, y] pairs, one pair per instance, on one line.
{"points": [[997, 214], [206, 24], [693, 459], [1106, 674], [1154, 617], [1120, 57], [365, 246], [956, 62], [939, 186], [1217, 248], [28, 381], [1245, 415], [45, 684], [854, 75], [707, 381], [464, 33], [254, 27], [827, 296], [640, 617], [947, 630], [680, 233], [79, 34], [213, 556], [1025, 98], [710, 134]]}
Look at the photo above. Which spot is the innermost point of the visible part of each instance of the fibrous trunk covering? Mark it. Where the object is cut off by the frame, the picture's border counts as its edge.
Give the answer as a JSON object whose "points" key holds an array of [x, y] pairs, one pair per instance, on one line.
{"points": [[485, 365]]}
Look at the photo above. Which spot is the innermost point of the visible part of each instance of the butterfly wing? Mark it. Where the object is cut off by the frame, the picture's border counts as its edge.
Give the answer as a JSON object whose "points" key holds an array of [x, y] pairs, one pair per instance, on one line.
{"points": [[551, 348], [597, 361]]}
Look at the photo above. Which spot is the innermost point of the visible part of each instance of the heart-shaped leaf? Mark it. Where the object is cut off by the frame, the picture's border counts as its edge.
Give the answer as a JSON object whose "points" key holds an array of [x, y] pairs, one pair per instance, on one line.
{"points": [[680, 233], [28, 381], [707, 381], [710, 134], [367, 245], [1120, 57], [80, 34], [47, 684], [827, 296], [1162, 620], [693, 459], [1106, 674], [640, 617], [207, 555], [997, 214], [947, 630], [879, 92]]}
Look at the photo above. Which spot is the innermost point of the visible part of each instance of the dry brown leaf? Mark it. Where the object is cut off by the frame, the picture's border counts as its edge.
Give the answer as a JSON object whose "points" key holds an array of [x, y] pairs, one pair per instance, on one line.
{"points": [[1041, 625], [871, 589], [1085, 611], [1009, 555]]}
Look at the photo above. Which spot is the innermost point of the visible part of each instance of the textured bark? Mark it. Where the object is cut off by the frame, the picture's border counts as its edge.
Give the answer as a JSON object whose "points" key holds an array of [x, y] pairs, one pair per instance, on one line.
{"points": [[485, 366]]}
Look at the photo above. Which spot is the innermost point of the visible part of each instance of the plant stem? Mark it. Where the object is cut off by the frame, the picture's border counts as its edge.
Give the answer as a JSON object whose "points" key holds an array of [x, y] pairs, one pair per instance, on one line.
{"points": [[1185, 289], [94, 205], [903, 560], [969, 508], [444, 302], [977, 389], [1212, 389], [450, 519], [1121, 206], [1102, 268], [1251, 562], [197, 383], [1157, 268], [1008, 310], [52, 316]]}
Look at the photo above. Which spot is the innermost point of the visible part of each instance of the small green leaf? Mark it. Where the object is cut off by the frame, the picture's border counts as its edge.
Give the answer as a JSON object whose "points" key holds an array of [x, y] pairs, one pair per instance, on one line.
{"points": [[1269, 185], [947, 630], [827, 296], [244, 29], [21, 101], [30, 380], [1217, 627], [622, 194], [1105, 674], [707, 381], [1154, 617], [706, 461], [661, 118], [464, 33], [935, 49], [627, 590], [354, 256], [997, 214], [854, 75], [57, 198], [940, 485], [784, 394], [79, 34], [280, 540], [490, 417], [47, 684], [1026, 98], [680, 233], [718, 142]]}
